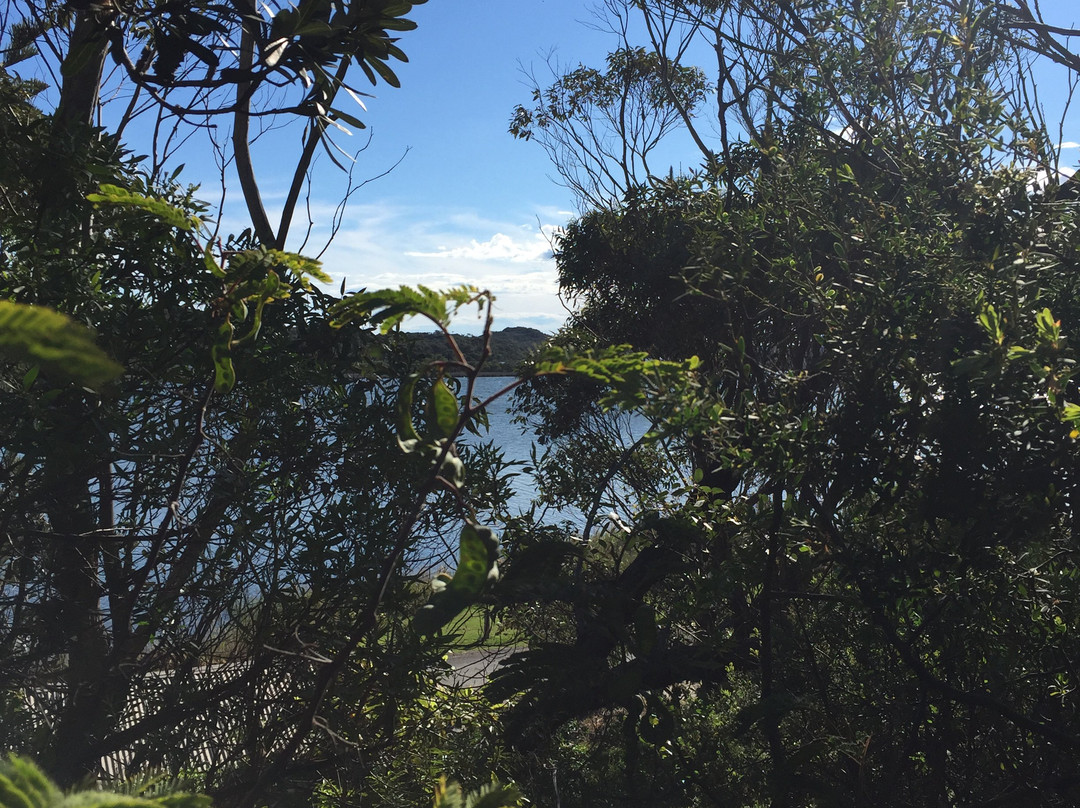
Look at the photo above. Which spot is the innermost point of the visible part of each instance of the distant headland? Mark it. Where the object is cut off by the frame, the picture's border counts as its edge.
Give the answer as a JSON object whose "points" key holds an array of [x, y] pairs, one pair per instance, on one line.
{"points": [[509, 347]]}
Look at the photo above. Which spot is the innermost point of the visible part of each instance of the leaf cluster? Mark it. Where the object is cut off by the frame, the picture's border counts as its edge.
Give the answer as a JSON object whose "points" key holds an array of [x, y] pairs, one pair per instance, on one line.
{"points": [[24, 785], [869, 529]]}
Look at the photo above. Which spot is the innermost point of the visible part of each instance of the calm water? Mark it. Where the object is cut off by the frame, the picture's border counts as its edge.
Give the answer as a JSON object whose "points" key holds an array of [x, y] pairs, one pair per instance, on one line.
{"points": [[517, 444]]}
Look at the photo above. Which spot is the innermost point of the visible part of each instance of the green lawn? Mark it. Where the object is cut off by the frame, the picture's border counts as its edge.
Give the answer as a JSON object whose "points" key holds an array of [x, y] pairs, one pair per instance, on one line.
{"points": [[470, 627]]}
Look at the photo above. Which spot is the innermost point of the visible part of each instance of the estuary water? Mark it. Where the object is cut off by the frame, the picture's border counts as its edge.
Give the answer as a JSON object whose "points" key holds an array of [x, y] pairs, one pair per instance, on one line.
{"points": [[517, 442]]}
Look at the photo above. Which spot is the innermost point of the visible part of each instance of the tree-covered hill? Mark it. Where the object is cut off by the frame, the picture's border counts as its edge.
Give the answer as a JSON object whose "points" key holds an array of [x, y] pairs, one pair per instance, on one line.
{"points": [[509, 347]]}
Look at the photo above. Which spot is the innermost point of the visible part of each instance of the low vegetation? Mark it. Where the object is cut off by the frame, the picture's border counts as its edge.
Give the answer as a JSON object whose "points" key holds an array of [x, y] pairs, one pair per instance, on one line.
{"points": [[838, 568]]}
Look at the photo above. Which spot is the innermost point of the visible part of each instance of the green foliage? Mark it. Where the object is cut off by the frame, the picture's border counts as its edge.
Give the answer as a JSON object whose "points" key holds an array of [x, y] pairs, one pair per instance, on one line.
{"points": [[313, 39], [477, 568], [493, 795], [630, 378], [237, 500], [45, 338], [24, 785], [859, 585], [259, 262], [228, 523], [156, 207], [251, 278], [632, 72], [601, 126], [386, 308]]}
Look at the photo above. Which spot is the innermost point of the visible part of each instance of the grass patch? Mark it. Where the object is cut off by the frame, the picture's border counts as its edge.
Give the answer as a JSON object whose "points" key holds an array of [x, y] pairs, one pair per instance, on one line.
{"points": [[475, 632]]}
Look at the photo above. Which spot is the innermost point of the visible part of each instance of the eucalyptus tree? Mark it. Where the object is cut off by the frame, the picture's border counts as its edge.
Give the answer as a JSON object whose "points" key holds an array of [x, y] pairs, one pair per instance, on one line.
{"points": [[208, 562], [197, 68], [600, 128], [861, 594]]}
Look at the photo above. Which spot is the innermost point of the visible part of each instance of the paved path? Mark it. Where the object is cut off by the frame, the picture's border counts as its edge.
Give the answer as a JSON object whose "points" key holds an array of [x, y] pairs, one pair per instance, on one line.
{"points": [[471, 668]]}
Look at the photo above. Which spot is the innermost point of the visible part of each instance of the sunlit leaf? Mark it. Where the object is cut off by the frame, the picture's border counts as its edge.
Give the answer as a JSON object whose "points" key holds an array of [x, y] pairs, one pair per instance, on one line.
{"points": [[221, 353], [257, 261], [408, 437], [352, 120], [387, 308], [39, 335], [478, 553], [445, 408], [631, 377], [24, 785], [494, 795], [159, 208]]}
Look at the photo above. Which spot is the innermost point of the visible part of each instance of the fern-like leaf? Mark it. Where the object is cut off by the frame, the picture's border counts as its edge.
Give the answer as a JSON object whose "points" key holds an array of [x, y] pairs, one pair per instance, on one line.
{"points": [[493, 795], [156, 207], [38, 335], [24, 785], [388, 307]]}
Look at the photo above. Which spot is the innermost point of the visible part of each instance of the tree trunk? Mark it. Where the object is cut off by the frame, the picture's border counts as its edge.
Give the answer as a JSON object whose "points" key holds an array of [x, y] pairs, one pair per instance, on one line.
{"points": [[82, 71]]}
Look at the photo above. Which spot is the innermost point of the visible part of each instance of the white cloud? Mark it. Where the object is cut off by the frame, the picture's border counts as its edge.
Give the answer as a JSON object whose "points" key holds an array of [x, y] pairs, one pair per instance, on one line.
{"points": [[1042, 177], [383, 245], [1069, 144], [500, 247]]}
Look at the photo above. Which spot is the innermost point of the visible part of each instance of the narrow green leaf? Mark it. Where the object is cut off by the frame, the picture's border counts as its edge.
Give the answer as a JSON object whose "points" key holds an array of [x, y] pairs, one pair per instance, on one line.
{"points": [[221, 353], [368, 72], [1048, 328], [30, 377], [448, 795], [398, 25], [202, 53], [391, 10], [352, 120], [211, 264], [1070, 412], [384, 71], [444, 406], [494, 795], [314, 28], [408, 437]]}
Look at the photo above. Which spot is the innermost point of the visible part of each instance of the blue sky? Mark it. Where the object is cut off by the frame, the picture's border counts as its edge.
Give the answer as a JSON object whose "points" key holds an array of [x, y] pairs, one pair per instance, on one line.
{"points": [[466, 203]]}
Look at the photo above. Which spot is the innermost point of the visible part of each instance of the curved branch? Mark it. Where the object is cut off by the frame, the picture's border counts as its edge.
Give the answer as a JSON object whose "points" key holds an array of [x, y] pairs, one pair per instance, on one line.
{"points": [[264, 232], [315, 133]]}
